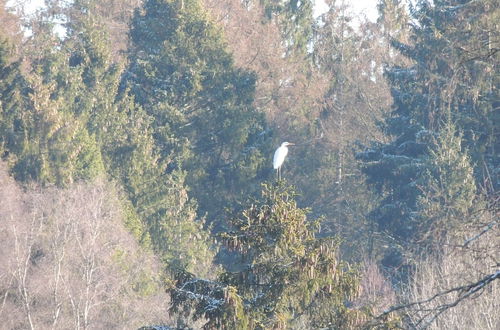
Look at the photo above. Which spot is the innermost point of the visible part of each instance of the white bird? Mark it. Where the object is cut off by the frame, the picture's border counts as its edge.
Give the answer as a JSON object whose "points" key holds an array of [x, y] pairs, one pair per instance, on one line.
{"points": [[279, 157]]}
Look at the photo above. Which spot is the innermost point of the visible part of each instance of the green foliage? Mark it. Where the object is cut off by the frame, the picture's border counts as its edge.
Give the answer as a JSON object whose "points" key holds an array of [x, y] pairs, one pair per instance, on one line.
{"points": [[160, 213], [452, 77], [121, 129], [295, 19], [42, 136], [65, 121], [11, 87], [181, 74], [54, 146], [449, 81], [177, 129], [143, 282], [449, 189], [284, 276]]}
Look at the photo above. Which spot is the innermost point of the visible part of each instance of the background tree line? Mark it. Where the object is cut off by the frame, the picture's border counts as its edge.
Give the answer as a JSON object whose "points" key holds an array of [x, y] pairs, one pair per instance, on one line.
{"points": [[154, 122]]}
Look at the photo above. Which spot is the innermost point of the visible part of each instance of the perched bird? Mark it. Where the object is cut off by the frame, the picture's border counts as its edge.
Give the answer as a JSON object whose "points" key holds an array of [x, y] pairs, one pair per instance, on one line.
{"points": [[279, 157]]}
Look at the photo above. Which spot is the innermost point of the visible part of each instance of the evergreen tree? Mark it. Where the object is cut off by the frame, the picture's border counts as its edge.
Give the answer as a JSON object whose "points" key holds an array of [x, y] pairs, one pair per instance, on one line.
{"points": [[454, 55], [56, 147], [160, 212], [448, 190], [46, 142], [446, 83], [296, 21], [201, 105], [284, 276], [11, 90], [65, 121]]}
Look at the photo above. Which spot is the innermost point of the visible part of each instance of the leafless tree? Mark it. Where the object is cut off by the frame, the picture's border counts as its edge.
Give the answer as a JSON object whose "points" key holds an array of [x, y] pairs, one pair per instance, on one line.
{"points": [[68, 262], [288, 89], [459, 287]]}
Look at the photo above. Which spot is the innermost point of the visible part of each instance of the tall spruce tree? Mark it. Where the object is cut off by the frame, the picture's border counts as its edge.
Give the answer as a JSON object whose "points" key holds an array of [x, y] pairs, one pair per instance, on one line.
{"points": [[181, 74], [284, 276], [449, 81], [47, 142], [160, 213], [448, 190], [11, 89]]}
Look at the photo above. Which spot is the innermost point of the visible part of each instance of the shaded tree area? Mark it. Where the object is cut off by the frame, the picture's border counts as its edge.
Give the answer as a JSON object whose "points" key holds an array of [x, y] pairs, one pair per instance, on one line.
{"points": [[140, 136], [437, 175], [433, 173], [204, 121], [65, 121], [324, 101]]}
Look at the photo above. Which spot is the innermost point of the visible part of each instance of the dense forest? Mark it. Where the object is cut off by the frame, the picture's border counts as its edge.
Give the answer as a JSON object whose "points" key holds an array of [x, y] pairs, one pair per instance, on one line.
{"points": [[136, 180]]}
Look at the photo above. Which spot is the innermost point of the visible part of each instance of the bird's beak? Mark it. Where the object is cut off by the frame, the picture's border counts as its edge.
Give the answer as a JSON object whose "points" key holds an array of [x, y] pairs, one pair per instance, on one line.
{"points": [[291, 144]]}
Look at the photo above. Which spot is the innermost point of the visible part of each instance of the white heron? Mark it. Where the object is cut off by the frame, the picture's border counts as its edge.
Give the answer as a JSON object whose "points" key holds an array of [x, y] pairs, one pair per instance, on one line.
{"points": [[279, 157]]}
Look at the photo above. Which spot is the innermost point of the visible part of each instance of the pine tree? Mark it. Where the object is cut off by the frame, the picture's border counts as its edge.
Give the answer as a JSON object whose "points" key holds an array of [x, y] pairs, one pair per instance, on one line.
{"points": [[448, 190], [295, 19], [284, 276], [56, 147], [446, 83], [454, 54], [47, 143], [201, 105], [160, 213], [11, 90]]}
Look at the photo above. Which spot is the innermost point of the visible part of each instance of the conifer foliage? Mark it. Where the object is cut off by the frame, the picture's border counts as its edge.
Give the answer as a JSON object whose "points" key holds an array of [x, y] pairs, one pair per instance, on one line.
{"points": [[284, 275], [448, 189], [11, 83], [201, 107], [65, 121], [443, 96], [157, 118], [45, 141], [295, 19]]}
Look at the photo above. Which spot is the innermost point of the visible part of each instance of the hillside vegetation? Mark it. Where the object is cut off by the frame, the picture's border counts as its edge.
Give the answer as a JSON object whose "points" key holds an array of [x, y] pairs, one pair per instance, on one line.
{"points": [[136, 179]]}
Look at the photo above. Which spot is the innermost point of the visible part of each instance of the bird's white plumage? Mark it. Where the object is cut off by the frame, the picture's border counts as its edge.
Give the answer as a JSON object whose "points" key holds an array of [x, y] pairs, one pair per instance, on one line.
{"points": [[279, 155]]}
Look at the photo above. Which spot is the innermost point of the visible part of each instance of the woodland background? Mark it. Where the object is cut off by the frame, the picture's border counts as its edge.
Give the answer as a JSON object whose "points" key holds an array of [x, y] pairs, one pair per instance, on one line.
{"points": [[136, 186]]}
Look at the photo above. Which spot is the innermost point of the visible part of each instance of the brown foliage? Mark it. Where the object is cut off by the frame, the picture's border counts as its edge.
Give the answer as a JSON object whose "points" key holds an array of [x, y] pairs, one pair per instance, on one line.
{"points": [[376, 293], [287, 88], [458, 289], [9, 23], [68, 262]]}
